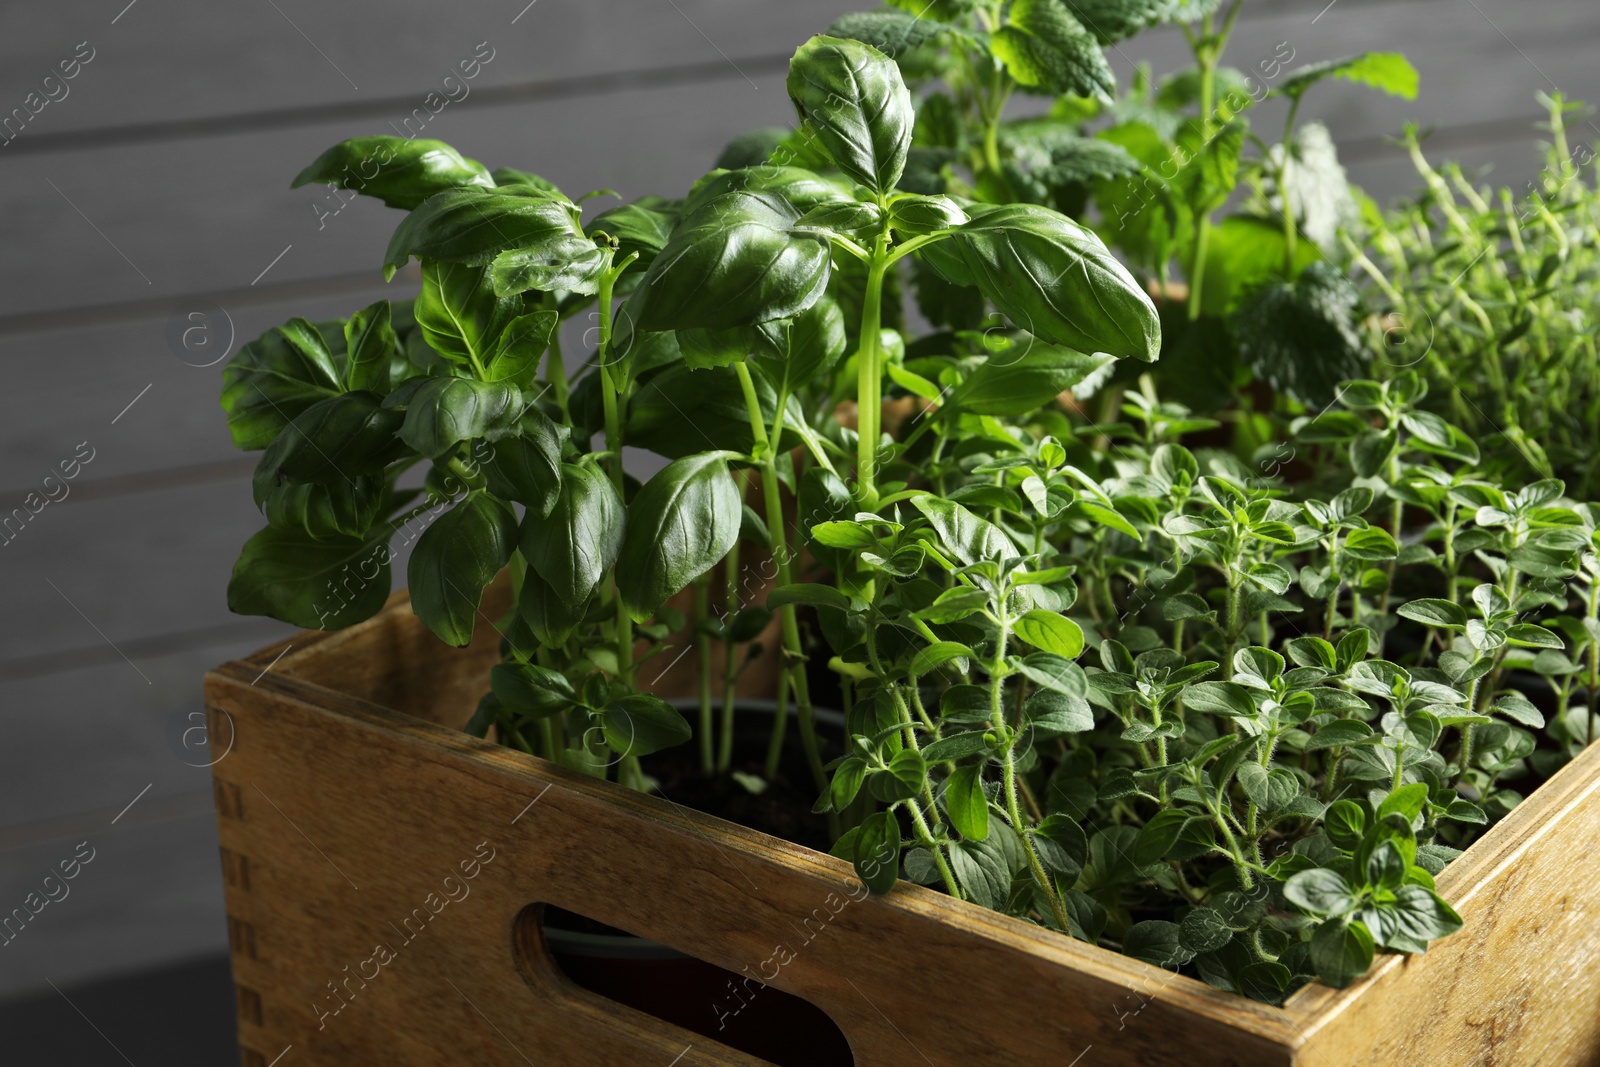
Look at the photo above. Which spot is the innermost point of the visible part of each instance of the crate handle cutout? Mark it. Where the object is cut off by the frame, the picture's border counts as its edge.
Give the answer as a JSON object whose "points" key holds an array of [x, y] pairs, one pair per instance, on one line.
{"points": [[698, 999]]}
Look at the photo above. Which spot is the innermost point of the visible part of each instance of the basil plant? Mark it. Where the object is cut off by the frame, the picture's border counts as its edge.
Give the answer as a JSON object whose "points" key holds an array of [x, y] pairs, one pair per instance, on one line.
{"points": [[732, 323]]}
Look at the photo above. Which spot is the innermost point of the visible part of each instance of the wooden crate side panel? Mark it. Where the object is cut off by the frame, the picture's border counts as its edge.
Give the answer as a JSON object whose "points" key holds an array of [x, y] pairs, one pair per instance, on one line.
{"points": [[394, 661], [1520, 984], [384, 808]]}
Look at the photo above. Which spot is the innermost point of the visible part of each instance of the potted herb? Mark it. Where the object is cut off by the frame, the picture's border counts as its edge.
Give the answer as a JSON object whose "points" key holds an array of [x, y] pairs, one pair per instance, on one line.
{"points": [[1143, 696]]}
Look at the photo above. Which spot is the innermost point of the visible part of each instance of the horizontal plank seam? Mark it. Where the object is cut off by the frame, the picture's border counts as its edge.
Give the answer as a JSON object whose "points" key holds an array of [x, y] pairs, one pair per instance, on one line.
{"points": [[76, 318], [171, 643], [1454, 138], [140, 482], [1358, 150], [255, 122]]}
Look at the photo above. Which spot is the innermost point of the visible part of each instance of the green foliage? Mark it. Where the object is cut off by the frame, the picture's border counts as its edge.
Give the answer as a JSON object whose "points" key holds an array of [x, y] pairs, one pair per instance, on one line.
{"points": [[1221, 685]]}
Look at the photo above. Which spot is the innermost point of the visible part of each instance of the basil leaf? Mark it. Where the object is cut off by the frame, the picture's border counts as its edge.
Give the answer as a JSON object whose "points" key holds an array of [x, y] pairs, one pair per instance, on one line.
{"points": [[1052, 277], [526, 466], [454, 560], [575, 544], [516, 354], [460, 315], [446, 411], [324, 510], [370, 346], [644, 226], [680, 525], [318, 584], [474, 227], [274, 378], [639, 724], [529, 689], [331, 442], [1022, 385], [854, 100], [399, 171], [734, 261], [551, 620]]}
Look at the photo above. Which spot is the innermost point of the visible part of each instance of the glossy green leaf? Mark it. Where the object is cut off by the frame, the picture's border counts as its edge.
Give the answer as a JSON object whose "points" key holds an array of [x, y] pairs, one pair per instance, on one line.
{"points": [[370, 345], [323, 584], [333, 441], [526, 466], [1050, 632], [1228, 699], [1022, 384], [274, 378], [967, 536], [459, 314], [644, 226], [938, 654], [639, 724], [967, 803], [577, 542], [1341, 951], [529, 689], [401, 172], [1157, 942], [734, 261], [446, 411], [454, 559], [542, 243], [1053, 278], [680, 525], [853, 98], [516, 355], [876, 851], [1320, 892]]}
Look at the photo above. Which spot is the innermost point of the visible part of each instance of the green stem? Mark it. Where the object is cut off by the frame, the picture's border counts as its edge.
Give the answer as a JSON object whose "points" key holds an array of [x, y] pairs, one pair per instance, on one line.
{"points": [[793, 648], [730, 667], [613, 425], [997, 715], [869, 375], [555, 367], [702, 646]]}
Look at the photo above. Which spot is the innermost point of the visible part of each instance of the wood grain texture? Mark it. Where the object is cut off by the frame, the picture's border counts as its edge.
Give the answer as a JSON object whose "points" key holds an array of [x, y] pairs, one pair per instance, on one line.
{"points": [[1520, 984], [390, 803], [391, 795]]}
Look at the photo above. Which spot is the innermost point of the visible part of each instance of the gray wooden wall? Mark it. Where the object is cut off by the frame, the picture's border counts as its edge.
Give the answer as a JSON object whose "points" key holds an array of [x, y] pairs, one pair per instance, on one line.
{"points": [[158, 187]]}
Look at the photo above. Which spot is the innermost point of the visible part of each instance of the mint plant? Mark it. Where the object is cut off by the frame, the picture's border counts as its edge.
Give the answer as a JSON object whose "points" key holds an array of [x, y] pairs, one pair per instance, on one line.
{"points": [[1224, 711]]}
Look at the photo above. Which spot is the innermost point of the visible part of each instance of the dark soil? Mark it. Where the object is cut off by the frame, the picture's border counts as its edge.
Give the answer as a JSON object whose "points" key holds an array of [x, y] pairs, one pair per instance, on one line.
{"points": [[783, 809]]}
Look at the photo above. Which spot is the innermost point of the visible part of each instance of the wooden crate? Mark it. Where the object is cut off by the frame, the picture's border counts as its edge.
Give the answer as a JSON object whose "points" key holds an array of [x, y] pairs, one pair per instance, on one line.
{"points": [[350, 795]]}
